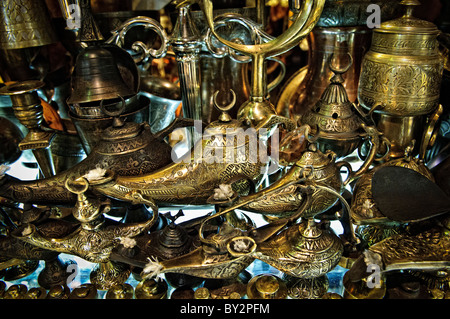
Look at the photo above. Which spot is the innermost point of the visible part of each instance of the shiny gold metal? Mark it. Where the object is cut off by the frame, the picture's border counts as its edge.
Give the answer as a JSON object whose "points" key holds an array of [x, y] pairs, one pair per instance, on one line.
{"points": [[207, 261], [402, 71], [25, 24], [361, 290], [334, 117], [58, 292], [202, 293], [105, 275], [314, 172], [401, 77], [152, 289], [304, 89], [337, 32], [36, 293], [121, 144], [258, 110], [372, 234], [223, 156], [17, 291], [54, 272], [422, 250], [301, 288], [84, 291], [120, 291], [20, 269], [305, 250], [91, 240], [266, 286], [171, 241], [97, 77], [28, 110]]}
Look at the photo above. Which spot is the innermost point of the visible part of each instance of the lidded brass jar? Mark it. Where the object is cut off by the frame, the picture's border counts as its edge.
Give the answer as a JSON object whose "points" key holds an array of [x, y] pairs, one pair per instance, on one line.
{"points": [[403, 69]]}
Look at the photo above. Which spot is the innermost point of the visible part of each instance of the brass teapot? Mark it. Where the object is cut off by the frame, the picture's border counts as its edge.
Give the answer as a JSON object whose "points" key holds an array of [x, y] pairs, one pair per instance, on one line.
{"points": [[206, 261], [402, 71], [315, 170], [229, 153]]}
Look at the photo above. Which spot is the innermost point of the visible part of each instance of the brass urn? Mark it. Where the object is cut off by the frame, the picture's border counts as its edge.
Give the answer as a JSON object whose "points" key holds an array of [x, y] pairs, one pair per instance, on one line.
{"points": [[401, 77], [403, 69]]}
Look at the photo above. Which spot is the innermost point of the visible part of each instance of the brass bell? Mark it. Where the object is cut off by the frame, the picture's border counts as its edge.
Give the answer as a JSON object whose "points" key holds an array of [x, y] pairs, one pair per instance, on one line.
{"points": [[25, 24], [97, 77]]}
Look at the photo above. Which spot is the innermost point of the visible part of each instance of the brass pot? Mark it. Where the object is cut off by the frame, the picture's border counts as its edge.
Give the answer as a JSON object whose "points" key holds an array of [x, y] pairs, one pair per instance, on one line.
{"points": [[324, 171], [25, 24], [402, 71]]}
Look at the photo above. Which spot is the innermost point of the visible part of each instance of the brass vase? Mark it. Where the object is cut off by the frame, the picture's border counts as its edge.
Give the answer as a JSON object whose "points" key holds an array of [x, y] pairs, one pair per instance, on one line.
{"points": [[401, 77]]}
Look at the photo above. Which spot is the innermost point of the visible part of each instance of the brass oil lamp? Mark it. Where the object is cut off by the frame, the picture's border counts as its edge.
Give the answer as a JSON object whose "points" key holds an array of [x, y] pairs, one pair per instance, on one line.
{"points": [[93, 238], [127, 148], [305, 250]]}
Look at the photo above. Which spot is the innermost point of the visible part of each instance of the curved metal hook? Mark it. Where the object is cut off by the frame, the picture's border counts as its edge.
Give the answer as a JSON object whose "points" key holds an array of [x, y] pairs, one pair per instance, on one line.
{"points": [[227, 107], [334, 69], [77, 188], [115, 113], [118, 38]]}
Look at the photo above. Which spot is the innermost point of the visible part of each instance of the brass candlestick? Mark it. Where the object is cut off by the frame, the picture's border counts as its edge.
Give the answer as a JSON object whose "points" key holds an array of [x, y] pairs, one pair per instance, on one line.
{"points": [[258, 110], [28, 110]]}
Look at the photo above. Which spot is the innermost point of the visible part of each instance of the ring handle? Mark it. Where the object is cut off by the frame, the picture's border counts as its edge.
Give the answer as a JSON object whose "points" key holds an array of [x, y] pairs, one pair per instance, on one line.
{"points": [[77, 186], [113, 113]]}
